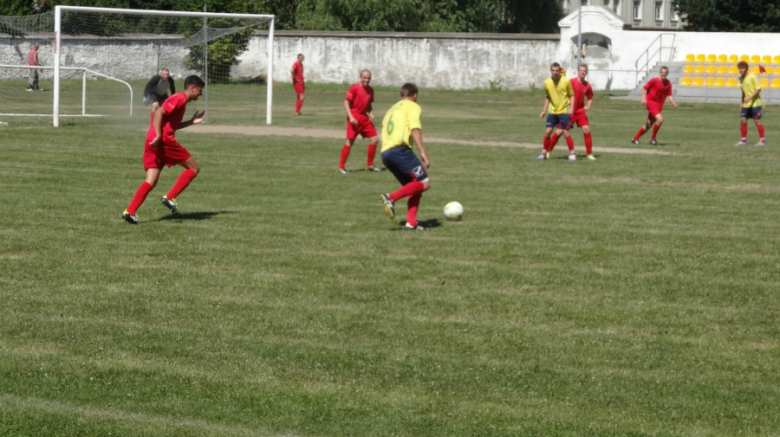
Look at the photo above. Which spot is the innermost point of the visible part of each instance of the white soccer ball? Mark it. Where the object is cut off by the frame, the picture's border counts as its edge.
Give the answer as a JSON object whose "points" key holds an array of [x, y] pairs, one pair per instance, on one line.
{"points": [[453, 211]]}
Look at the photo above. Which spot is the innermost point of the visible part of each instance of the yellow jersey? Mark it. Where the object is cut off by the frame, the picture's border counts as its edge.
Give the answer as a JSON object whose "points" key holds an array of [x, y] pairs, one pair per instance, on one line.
{"points": [[749, 85], [559, 95], [398, 124]]}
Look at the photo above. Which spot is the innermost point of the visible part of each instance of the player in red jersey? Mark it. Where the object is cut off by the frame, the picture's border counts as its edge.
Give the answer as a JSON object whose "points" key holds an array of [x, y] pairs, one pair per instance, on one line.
{"points": [[654, 95], [297, 80], [582, 90], [161, 148], [360, 116]]}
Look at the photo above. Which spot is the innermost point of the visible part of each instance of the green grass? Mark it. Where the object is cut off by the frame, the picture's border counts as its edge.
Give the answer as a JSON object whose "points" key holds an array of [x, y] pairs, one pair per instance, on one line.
{"points": [[636, 295]]}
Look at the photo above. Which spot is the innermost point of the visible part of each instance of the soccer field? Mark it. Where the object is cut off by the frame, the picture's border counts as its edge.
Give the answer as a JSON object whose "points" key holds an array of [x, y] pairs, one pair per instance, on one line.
{"points": [[635, 295]]}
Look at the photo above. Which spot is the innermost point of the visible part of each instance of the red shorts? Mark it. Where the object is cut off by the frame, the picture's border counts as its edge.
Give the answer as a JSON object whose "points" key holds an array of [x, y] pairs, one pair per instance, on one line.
{"points": [[168, 154], [652, 111], [299, 87], [579, 117], [364, 127]]}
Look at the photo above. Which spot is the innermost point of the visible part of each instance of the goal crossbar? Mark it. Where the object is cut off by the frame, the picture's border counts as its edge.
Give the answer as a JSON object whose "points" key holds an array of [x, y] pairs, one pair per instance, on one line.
{"points": [[58, 10]]}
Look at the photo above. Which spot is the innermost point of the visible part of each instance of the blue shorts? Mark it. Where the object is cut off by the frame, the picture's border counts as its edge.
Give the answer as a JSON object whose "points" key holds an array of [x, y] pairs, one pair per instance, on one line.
{"points": [[754, 112], [559, 120], [404, 164]]}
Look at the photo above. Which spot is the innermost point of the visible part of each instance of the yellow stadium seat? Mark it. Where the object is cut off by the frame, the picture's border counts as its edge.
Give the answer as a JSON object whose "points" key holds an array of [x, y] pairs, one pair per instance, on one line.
{"points": [[776, 83], [712, 69], [764, 83], [766, 59], [701, 58], [698, 81], [733, 58], [710, 81], [690, 57], [733, 69], [755, 59], [688, 69], [686, 81], [720, 82], [770, 70], [723, 69], [700, 69], [755, 70], [776, 59], [744, 58], [712, 58], [723, 58], [731, 82]]}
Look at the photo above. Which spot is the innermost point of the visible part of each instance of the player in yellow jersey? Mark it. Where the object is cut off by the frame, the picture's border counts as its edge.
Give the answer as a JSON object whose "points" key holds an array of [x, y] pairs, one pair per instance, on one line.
{"points": [[400, 125], [750, 105], [558, 93]]}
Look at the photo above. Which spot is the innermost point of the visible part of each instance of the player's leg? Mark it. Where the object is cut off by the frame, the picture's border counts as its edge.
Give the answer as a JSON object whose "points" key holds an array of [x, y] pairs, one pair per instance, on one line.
{"points": [[371, 153], [191, 170], [406, 167], [743, 129], [569, 141], [152, 176], [545, 144], [659, 120], [345, 149], [36, 78], [643, 129], [759, 125], [299, 97], [588, 141], [31, 79]]}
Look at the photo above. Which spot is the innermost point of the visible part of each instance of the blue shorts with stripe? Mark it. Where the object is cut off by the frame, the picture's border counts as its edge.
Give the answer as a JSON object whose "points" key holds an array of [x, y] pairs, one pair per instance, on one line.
{"points": [[559, 120], [754, 112], [404, 165]]}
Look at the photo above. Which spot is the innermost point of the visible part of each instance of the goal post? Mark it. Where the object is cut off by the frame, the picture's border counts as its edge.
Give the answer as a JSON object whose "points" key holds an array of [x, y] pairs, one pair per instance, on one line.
{"points": [[198, 55]]}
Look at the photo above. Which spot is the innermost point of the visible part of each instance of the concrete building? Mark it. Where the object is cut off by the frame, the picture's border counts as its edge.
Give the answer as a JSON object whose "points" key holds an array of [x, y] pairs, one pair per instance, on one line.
{"points": [[639, 14]]}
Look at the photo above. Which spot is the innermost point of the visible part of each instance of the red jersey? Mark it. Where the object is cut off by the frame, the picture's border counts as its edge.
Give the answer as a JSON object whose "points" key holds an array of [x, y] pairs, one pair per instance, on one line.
{"points": [[298, 71], [581, 90], [657, 91], [360, 98], [175, 107]]}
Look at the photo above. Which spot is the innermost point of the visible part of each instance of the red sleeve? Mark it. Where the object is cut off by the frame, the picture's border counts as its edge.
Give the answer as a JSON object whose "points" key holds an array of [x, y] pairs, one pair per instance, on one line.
{"points": [[648, 84], [177, 101], [589, 92], [350, 94]]}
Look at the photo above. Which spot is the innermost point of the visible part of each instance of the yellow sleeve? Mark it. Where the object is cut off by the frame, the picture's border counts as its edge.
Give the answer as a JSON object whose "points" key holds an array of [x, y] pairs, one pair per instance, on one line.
{"points": [[414, 117], [570, 89], [755, 82]]}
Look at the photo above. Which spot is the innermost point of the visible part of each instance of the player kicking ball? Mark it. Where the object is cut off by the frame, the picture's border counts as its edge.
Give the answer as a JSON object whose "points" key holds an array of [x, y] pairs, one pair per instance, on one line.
{"points": [[358, 105], [401, 123], [583, 90], [558, 92], [751, 105], [654, 94], [161, 148]]}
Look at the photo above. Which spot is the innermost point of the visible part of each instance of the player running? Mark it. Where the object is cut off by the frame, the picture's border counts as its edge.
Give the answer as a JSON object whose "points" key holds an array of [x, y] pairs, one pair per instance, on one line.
{"points": [[358, 105], [161, 148], [298, 85], [558, 92], [751, 104], [582, 90], [654, 96], [401, 122]]}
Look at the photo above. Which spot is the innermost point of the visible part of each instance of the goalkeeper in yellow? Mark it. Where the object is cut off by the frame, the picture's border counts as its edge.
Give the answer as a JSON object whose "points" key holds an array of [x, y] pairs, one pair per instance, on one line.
{"points": [[400, 125]]}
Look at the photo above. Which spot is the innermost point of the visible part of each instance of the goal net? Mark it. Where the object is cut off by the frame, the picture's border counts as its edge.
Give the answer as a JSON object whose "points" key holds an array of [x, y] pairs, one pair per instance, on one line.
{"points": [[98, 63]]}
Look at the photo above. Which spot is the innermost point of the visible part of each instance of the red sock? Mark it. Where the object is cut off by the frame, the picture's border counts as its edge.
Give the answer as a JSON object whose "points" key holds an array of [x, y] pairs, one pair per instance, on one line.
{"points": [[344, 155], [570, 143], [298, 104], [588, 144], [371, 154], [546, 143], [760, 131], [140, 196], [409, 189], [743, 130], [182, 182], [655, 131], [553, 142], [411, 213], [639, 134]]}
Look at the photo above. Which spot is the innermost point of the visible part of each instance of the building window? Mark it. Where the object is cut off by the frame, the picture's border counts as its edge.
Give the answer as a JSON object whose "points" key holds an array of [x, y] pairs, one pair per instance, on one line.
{"points": [[659, 11], [637, 9], [673, 12]]}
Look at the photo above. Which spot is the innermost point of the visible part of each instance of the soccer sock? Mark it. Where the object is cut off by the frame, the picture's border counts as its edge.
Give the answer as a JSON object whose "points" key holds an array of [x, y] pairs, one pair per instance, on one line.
{"points": [[553, 142], [411, 213], [655, 131], [588, 144], [760, 131], [371, 154], [344, 155], [570, 143], [409, 189], [181, 183], [639, 134], [743, 130], [298, 104], [140, 196]]}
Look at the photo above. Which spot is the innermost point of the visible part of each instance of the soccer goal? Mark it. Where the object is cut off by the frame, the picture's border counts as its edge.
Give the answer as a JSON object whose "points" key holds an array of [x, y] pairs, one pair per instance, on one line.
{"points": [[100, 62]]}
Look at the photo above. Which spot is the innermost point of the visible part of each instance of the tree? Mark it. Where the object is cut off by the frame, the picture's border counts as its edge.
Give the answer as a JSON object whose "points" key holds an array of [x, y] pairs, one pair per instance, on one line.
{"points": [[730, 15]]}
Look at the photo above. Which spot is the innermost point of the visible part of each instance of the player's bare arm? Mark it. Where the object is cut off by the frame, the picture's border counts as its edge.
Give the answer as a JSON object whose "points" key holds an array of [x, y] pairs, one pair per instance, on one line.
{"points": [[644, 96], [571, 107], [370, 111], [348, 110], [158, 117], [671, 99], [546, 106], [196, 118], [417, 137]]}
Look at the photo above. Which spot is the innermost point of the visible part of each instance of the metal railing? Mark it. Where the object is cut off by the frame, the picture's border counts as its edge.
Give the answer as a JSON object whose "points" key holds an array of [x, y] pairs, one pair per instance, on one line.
{"points": [[649, 55]]}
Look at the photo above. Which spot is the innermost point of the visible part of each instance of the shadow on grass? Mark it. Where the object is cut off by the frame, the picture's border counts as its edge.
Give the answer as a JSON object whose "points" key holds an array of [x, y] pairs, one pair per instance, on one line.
{"points": [[205, 215], [427, 224]]}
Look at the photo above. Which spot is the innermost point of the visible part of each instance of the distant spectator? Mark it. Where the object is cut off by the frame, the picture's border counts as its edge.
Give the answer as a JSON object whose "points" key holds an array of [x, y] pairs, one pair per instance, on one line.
{"points": [[297, 79], [156, 91], [32, 60]]}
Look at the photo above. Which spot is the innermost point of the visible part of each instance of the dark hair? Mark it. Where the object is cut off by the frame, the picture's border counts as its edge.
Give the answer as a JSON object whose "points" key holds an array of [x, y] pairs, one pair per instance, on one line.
{"points": [[743, 64], [663, 67], [409, 89], [194, 80], [555, 64]]}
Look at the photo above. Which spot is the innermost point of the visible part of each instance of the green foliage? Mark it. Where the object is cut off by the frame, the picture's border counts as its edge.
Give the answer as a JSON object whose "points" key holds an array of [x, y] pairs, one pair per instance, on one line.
{"points": [[222, 55], [730, 15]]}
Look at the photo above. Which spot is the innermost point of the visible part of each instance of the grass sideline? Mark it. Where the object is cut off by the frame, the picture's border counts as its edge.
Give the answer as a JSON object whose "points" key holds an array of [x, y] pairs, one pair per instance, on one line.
{"points": [[635, 295]]}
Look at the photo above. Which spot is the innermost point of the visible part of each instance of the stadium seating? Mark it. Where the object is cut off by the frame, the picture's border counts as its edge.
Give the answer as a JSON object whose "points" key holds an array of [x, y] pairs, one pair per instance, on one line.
{"points": [[766, 59], [723, 58], [755, 59], [745, 58], [720, 82], [711, 69], [701, 58], [777, 59], [698, 81], [764, 83], [770, 70], [733, 69], [700, 69], [775, 83], [723, 69], [710, 81], [755, 70], [733, 59], [688, 69], [731, 82], [690, 57], [686, 81], [712, 58]]}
